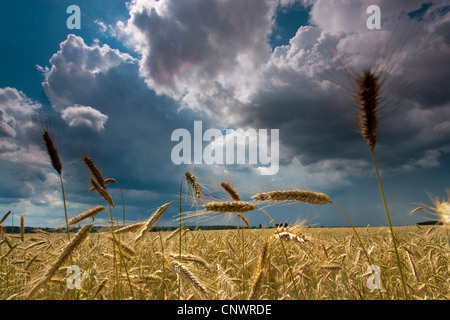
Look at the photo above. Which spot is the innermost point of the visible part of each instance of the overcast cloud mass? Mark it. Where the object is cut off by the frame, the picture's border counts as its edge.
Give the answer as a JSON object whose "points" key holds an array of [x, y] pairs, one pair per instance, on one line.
{"points": [[117, 89]]}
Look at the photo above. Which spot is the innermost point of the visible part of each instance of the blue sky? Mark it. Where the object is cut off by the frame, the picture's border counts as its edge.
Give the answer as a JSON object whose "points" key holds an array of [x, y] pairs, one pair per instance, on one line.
{"points": [[136, 71]]}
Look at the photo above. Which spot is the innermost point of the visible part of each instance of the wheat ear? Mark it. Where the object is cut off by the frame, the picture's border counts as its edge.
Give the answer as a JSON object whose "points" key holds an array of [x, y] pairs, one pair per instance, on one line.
{"points": [[87, 214], [260, 271], [367, 104], [293, 195], [131, 228], [94, 171], [152, 221], [230, 206], [192, 180], [52, 152], [189, 277], [102, 191], [229, 189]]}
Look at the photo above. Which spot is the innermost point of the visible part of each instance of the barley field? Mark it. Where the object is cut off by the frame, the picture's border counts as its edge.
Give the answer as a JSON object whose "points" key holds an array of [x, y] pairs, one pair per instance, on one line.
{"points": [[240, 264]]}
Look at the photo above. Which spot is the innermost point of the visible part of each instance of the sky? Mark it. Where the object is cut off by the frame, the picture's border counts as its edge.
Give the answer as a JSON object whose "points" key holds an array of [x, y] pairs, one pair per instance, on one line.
{"points": [[136, 71]]}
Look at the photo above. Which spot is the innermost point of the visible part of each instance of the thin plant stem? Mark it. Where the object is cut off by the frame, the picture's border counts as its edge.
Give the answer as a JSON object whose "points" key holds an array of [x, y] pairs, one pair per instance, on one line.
{"points": [[65, 208], [394, 240]]}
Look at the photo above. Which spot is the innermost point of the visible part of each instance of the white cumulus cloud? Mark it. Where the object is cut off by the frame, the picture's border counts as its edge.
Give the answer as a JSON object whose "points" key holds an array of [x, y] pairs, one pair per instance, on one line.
{"points": [[84, 116]]}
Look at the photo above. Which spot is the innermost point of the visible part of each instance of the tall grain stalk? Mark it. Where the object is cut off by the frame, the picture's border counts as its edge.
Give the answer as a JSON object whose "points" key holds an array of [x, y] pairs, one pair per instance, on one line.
{"points": [[368, 99], [57, 165], [197, 192]]}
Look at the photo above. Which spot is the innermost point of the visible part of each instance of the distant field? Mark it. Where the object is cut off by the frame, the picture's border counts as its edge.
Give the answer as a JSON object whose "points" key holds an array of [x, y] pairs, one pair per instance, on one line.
{"points": [[323, 263]]}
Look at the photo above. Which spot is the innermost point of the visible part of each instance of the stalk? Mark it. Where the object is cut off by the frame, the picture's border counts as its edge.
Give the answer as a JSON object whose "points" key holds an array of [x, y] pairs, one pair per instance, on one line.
{"points": [[394, 240], [65, 208]]}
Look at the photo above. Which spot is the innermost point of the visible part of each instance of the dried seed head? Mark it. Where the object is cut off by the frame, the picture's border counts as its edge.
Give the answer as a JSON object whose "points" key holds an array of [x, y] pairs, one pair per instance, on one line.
{"points": [[152, 221], [233, 194], [131, 228], [94, 171], [189, 277], [293, 195], [230, 206], [102, 191], [190, 178], [52, 152], [87, 214], [367, 104]]}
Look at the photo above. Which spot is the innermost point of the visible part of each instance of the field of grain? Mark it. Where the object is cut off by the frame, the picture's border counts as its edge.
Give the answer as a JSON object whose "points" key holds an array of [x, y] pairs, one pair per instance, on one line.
{"points": [[323, 263]]}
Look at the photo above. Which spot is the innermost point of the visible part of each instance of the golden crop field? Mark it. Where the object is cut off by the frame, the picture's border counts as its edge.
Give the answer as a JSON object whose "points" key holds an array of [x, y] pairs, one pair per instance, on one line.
{"points": [[295, 262]]}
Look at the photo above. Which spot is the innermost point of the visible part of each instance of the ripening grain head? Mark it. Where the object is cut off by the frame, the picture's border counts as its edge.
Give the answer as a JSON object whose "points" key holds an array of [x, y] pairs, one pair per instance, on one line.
{"points": [[102, 191], [152, 221], [94, 171], [131, 228], [231, 191], [230, 206], [368, 106], [87, 214], [293, 195], [52, 152], [192, 180]]}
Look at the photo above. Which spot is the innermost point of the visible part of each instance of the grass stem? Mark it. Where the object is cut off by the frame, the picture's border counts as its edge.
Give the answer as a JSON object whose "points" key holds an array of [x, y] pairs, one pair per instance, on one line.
{"points": [[394, 240]]}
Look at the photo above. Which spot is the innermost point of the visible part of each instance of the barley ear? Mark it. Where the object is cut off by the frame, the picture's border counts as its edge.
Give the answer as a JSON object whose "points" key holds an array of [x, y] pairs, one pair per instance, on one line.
{"points": [[94, 171], [152, 221], [52, 152]]}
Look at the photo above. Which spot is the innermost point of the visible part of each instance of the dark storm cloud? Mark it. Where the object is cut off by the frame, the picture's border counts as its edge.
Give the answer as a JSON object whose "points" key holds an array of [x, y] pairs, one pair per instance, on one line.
{"points": [[134, 144]]}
